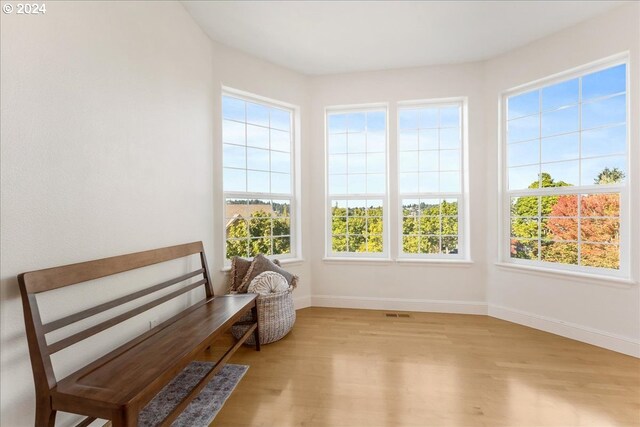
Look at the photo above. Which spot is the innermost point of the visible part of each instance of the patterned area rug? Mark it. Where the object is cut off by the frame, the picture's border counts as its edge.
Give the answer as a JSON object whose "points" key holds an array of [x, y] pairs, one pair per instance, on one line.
{"points": [[203, 409]]}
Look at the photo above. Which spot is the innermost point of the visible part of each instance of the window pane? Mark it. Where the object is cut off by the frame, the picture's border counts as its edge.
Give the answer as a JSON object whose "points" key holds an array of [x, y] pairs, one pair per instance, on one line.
{"points": [[599, 255], [375, 183], [356, 143], [408, 119], [234, 156], [257, 136], [337, 123], [562, 147], [604, 170], [280, 119], [408, 140], [559, 229], [280, 140], [376, 142], [600, 205], [604, 141], [524, 153], [233, 132], [449, 245], [257, 159], [357, 184], [449, 160], [524, 249], [357, 163], [428, 139], [233, 108], [257, 114], [528, 228], [524, 104], [376, 163], [337, 163], [409, 182], [600, 230], [337, 184], [428, 160], [450, 182], [428, 118], [376, 121], [410, 244], [560, 95], [560, 252], [257, 182], [429, 182], [528, 206], [282, 245], [560, 121], [235, 179], [450, 117], [523, 129], [338, 143], [604, 112], [562, 173], [449, 138], [605, 82], [356, 122], [280, 183], [409, 161], [280, 162], [524, 177]]}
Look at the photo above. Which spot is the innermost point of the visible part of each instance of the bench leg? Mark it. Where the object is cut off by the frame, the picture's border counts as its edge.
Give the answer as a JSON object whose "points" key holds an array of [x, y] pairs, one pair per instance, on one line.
{"points": [[256, 333], [124, 418], [45, 416]]}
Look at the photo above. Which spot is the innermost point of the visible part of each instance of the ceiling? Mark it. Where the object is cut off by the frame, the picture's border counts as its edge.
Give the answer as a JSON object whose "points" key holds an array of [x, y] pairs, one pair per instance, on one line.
{"points": [[326, 37]]}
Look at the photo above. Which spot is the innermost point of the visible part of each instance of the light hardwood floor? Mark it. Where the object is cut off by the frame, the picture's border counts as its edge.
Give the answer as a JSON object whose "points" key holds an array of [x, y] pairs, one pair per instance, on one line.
{"points": [[342, 367]]}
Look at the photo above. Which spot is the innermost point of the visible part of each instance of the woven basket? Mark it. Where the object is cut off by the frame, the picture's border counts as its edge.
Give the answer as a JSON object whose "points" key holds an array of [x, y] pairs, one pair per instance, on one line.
{"points": [[276, 315]]}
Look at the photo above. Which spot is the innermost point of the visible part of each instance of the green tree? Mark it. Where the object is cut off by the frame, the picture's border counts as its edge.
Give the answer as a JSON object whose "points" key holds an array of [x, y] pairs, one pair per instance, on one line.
{"points": [[609, 176]]}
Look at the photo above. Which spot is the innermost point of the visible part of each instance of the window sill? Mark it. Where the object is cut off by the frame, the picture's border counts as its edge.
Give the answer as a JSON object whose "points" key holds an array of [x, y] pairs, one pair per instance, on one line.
{"points": [[437, 262], [283, 261], [354, 260], [574, 275]]}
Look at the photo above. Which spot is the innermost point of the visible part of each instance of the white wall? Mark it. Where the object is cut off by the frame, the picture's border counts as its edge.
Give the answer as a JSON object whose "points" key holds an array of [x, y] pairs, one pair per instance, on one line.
{"points": [[391, 285], [593, 311]]}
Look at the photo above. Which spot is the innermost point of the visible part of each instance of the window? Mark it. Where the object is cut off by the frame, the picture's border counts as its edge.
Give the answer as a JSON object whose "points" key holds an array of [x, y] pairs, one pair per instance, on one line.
{"points": [[430, 168], [258, 178], [357, 182], [566, 168]]}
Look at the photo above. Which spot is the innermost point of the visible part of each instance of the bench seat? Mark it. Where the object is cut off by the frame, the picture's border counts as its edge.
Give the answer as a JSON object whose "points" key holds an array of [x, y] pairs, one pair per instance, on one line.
{"points": [[133, 376]]}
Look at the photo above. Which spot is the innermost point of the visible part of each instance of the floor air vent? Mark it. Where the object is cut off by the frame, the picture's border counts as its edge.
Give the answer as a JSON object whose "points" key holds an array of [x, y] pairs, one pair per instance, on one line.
{"points": [[403, 315]]}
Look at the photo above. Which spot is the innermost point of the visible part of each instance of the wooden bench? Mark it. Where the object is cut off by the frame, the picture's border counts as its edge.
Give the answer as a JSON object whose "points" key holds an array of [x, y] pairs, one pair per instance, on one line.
{"points": [[119, 384]]}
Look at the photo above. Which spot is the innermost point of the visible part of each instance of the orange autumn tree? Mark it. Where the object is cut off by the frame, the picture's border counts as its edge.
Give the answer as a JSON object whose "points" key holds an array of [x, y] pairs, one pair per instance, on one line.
{"points": [[599, 227]]}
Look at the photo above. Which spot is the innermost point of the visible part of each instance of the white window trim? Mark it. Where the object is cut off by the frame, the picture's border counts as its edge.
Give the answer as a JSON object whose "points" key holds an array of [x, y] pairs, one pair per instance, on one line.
{"points": [[464, 252], [624, 273], [296, 203], [331, 256]]}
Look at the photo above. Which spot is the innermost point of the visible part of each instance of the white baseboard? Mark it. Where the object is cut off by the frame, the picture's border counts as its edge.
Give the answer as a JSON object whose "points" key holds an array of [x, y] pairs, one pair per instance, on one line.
{"points": [[400, 304], [302, 302], [574, 331]]}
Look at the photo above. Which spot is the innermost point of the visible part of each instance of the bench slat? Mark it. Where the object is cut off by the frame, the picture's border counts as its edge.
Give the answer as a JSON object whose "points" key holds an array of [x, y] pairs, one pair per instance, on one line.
{"points": [[59, 277], [66, 342], [66, 321]]}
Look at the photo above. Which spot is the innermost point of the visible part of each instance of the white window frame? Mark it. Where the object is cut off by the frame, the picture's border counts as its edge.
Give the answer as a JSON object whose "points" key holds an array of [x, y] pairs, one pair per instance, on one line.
{"points": [[329, 253], [295, 205], [624, 271], [463, 196]]}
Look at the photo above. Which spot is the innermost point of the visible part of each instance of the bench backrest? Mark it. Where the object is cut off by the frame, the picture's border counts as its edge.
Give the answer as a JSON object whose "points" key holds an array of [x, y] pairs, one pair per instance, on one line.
{"points": [[36, 282]]}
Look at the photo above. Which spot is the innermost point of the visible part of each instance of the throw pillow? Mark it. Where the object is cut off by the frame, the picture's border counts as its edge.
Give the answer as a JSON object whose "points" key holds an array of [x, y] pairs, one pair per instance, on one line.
{"points": [[268, 282], [239, 268], [261, 264]]}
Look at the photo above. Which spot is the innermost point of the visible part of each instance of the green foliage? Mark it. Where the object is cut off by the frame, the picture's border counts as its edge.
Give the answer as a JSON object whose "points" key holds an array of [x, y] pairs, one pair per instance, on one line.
{"points": [[262, 233], [609, 176]]}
